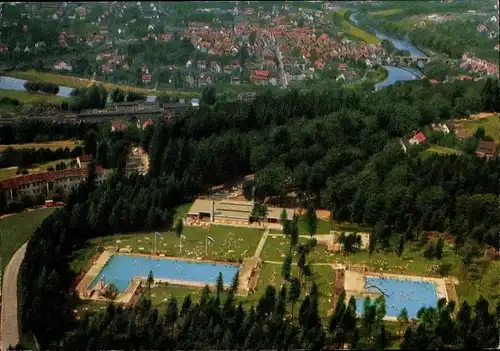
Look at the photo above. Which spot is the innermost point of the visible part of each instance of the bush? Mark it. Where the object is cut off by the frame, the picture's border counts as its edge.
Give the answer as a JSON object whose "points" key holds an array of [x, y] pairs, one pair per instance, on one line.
{"points": [[48, 88], [10, 101]]}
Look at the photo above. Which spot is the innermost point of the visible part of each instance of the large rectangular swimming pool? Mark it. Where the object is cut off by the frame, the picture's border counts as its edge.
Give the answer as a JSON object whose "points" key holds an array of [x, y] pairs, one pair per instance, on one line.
{"points": [[120, 269], [399, 294]]}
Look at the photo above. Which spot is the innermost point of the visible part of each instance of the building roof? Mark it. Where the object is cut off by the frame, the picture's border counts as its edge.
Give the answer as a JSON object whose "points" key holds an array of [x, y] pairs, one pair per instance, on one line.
{"points": [[420, 137], [14, 183], [85, 158], [486, 147]]}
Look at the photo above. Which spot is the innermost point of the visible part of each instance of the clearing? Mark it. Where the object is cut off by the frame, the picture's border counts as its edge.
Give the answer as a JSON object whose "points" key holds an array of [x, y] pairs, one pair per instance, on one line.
{"points": [[388, 12], [52, 145], [28, 98], [490, 124], [276, 248], [438, 149], [10, 172]]}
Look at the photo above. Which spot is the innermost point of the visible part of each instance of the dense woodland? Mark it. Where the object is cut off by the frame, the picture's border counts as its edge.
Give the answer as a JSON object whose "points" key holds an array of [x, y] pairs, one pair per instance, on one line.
{"points": [[337, 149]]}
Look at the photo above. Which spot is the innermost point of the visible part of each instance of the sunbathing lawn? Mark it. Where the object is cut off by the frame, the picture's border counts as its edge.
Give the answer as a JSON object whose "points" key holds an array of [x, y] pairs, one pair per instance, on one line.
{"points": [[10, 172], [324, 227], [231, 244], [441, 150], [270, 274], [28, 98], [277, 247], [52, 145], [490, 124], [77, 82]]}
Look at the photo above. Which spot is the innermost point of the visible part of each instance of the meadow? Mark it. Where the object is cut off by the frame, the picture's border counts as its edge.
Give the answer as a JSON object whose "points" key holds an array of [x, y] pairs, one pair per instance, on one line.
{"points": [[10, 172], [28, 98], [353, 31]]}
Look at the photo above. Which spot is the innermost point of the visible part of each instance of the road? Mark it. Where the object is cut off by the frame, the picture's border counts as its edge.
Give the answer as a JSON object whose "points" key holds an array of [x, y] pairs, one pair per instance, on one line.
{"points": [[10, 327]]}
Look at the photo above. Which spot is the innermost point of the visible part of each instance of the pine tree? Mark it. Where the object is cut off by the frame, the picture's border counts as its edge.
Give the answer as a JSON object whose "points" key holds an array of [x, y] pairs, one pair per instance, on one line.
{"points": [[294, 293], [286, 269], [220, 284]]}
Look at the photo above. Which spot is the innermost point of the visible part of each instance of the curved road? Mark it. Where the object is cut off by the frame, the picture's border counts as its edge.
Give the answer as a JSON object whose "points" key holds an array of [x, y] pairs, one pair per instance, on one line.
{"points": [[9, 327]]}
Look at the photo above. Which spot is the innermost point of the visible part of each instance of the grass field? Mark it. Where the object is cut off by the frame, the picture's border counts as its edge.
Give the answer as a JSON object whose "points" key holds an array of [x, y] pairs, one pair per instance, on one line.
{"points": [[356, 32], [28, 98], [438, 149], [76, 82], [52, 145], [270, 274], [490, 124], [384, 13], [230, 244], [324, 227], [16, 229], [10, 172], [276, 248]]}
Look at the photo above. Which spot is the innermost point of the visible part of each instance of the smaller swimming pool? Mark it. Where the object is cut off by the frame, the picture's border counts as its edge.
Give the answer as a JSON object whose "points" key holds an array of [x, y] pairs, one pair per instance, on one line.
{"points": [[399, 294], [120, 269]]}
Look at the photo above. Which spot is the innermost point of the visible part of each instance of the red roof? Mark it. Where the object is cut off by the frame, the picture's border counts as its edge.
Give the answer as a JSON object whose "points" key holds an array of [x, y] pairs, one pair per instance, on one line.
{"points": [[420, 137], [86, 158], [147, 124], [260, 73], [146, 77], [433, 81], [14, 183], [323, 36]]}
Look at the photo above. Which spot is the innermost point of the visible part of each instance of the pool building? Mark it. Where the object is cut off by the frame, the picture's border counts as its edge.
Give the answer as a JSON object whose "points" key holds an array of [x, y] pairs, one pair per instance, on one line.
{"points": [[400, 291]]}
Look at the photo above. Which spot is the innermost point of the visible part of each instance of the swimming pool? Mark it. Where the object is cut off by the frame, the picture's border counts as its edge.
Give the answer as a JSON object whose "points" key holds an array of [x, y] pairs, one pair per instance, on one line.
{"points": [[399, 294], [120, 269]]}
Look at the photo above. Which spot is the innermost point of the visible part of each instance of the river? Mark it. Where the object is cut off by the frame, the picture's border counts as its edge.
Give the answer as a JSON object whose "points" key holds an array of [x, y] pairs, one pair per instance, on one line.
{"points": [[395, 74]]}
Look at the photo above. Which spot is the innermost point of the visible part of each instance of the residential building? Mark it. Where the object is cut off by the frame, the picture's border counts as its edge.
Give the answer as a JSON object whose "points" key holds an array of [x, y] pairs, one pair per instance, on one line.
{"points": [[417, 138], [487, 149], [63, 66], [44, 183], [463, 134], [83, 161], [147, 78]]}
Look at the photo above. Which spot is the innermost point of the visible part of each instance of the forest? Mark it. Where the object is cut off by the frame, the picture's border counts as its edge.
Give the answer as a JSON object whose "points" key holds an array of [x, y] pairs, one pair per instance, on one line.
{"points": [[337, 149]]}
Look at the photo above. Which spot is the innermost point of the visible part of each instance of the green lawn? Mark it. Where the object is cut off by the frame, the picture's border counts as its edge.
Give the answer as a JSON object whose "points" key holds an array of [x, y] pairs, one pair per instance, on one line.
{"points": [[384, 13], [16, 229], [52, 145], [438, 149], [269, 275], [324, 227], [10, 172], [231, 244], [277, 247], [490, 124], [356, 32], [28, 98]]}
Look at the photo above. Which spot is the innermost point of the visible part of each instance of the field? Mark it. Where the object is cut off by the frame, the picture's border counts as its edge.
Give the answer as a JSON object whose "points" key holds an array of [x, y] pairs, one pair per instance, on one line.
{"points": [[384, 13], [324, 227], [270, 274], [438, 149], [28, 98], [76, 82], [230, 244], [490, 124], [10, 172], [52, 145], [16, 229], [277, 247], [356, 32]]}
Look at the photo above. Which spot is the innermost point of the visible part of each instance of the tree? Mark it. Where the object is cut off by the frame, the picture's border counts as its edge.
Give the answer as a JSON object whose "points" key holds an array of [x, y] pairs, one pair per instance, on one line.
{"points": [[235, 282], [401, 245], [403, 320], [312, 221], [294, 234], [287, 267], [150, 282], [479, 133], [90, 143], [208, 96], [294, 292], [252, 38], [439, 248], [102, 153], [283, 218], [220, 284]]}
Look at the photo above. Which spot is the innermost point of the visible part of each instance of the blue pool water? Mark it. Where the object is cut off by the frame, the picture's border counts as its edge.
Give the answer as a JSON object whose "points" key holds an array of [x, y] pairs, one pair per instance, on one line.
{"points": [[120, 270], [412, 295]]}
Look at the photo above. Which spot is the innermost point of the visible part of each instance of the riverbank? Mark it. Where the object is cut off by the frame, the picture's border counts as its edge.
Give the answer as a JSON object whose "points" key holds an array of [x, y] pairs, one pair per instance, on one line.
{"points": [[341, 18], [77, 82], [28, 98]]}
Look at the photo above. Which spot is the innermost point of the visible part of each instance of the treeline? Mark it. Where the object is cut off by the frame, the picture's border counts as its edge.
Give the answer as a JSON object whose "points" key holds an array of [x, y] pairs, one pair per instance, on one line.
{"points": [[93, 97], [25, 130], [118, 95], [295, 141], [27, 157], [48, 88]]}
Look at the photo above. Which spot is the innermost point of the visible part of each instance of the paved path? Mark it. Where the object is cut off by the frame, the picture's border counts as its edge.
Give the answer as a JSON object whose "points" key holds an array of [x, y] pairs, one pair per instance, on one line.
{"points": [[261, 244], [9, 328]]}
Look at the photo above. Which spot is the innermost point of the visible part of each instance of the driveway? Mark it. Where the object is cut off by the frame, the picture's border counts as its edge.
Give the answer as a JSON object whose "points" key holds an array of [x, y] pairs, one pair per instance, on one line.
{"points": [[10, 328]]}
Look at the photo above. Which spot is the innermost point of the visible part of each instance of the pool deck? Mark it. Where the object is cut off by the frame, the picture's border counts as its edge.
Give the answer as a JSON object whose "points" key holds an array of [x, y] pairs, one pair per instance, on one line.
{"points": [[127, 297], [354, 284]]}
